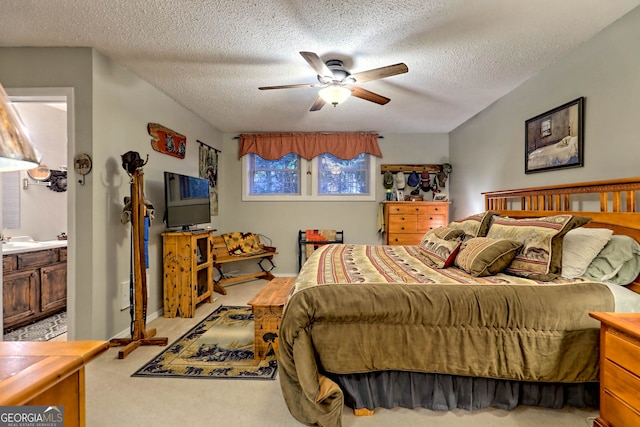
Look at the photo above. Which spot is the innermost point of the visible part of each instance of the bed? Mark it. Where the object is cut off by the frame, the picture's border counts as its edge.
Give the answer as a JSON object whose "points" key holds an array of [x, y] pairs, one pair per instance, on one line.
{"points": [[489, 322]]}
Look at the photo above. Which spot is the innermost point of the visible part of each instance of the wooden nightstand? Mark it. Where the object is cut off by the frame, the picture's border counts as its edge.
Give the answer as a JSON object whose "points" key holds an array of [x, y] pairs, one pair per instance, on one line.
{"points": [[619, 369]]}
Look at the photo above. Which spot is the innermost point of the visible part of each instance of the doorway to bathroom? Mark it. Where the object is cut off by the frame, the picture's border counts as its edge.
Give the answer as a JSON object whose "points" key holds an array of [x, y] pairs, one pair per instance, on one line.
{"points": [[36, 203]]}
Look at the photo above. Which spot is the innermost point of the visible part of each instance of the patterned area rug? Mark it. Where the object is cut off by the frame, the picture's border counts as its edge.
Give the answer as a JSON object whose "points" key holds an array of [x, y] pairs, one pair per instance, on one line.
{"points": [[221, 346], [42, 330]]}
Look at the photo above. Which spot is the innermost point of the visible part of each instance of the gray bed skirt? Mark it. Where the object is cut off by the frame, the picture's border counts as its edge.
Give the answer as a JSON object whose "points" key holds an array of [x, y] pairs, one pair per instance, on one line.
{"points": [[439, 392]]}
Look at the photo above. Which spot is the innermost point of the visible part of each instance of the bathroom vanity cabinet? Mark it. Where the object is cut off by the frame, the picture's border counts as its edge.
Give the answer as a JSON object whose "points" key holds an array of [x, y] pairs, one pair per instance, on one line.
{"points": [[34, 285]]}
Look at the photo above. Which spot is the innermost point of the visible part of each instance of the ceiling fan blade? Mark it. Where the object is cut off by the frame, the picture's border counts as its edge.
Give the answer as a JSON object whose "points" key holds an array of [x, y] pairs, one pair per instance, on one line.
{"points": [[318, 104], [289, 86], [380, 73], [358, 92], [317, 64]]}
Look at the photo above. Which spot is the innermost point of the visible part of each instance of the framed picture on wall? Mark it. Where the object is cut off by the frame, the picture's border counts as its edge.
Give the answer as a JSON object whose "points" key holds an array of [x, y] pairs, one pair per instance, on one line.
{"points": [[555, 139]]}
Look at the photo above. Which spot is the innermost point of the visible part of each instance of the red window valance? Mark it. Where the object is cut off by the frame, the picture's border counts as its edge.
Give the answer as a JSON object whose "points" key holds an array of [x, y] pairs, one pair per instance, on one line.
{"points": [[345, 146]]}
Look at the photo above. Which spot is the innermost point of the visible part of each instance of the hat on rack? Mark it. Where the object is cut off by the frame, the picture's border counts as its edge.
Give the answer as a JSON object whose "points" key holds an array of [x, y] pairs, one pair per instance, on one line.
{"points": [[387, 180], [425, 184], [413, 180], [400, 183]]}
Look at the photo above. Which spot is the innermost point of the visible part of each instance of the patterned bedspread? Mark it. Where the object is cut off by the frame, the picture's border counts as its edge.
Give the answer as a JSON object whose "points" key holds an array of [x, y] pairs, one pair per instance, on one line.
{"points": [[353, 264], [357, 308]]}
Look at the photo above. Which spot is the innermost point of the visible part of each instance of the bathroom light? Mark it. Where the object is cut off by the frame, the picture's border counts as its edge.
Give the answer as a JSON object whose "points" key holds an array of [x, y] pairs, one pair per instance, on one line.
{"points": [[16, 152], [334, 94]]}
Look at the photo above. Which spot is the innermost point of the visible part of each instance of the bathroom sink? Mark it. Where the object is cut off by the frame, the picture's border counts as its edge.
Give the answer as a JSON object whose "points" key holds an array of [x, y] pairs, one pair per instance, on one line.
{"points": [[27, 246], [11, 245]]}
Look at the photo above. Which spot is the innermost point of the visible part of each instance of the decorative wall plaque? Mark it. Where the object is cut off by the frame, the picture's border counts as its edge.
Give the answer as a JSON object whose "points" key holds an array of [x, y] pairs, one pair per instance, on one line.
{"points": [[166, 141]]}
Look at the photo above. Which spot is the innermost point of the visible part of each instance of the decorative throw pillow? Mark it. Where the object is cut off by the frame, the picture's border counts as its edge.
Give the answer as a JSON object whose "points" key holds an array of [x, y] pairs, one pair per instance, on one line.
{"points": [[444, 233], [618, 262], [482, 256], [540, 257], [580, 247], [474, 225], [440, 252], [242, 243]]}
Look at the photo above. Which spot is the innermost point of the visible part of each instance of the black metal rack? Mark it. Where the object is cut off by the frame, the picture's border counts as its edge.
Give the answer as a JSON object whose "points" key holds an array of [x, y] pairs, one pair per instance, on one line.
{"points": [[302, 242]]}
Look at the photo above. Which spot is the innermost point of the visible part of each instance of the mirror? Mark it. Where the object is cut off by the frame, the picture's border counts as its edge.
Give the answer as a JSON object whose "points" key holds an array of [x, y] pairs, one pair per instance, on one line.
{"points": [[41, 173]]}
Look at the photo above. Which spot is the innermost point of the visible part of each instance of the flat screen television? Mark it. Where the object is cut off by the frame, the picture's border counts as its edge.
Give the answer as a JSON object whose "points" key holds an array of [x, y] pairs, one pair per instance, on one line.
{"points": [[186, 200]]}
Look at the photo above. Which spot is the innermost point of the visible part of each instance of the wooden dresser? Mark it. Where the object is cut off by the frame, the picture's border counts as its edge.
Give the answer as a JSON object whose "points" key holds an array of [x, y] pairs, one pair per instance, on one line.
{"points": [[407, 222], [619, 369]]}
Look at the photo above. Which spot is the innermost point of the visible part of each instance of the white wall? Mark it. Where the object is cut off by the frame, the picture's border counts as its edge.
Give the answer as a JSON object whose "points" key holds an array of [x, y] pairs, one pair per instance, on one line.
{"points": [[487, 152], [281, 221]]}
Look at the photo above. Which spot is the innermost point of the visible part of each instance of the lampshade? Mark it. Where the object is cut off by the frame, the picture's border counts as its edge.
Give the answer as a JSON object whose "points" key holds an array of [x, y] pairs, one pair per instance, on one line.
{"points": [[16, 152], [334, 94]]}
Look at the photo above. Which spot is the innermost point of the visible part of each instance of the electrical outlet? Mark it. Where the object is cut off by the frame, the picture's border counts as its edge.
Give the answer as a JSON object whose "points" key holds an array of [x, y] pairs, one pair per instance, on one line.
{"points": [[124, 295]]}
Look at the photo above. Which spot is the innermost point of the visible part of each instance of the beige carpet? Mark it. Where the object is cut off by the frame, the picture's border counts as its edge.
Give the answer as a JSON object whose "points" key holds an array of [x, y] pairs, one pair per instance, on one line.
{"points": [[114, 398]]}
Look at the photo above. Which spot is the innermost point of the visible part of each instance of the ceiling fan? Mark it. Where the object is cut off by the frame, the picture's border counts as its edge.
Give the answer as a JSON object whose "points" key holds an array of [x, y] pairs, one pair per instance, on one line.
{"points": [[338, 83]]}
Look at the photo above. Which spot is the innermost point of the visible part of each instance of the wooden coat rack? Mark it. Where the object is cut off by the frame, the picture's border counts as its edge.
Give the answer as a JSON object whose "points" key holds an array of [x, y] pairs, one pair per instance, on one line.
{"points": [[139, 334]]}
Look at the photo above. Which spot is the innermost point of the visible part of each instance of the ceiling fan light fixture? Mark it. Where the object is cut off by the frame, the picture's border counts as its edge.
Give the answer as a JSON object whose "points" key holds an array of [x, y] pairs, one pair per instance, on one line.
{"points": [[334, 94]]}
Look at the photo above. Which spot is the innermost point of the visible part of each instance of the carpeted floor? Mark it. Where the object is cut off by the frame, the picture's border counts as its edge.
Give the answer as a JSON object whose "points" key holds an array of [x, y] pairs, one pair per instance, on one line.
{"points": [[221, 346], [42, 330]]}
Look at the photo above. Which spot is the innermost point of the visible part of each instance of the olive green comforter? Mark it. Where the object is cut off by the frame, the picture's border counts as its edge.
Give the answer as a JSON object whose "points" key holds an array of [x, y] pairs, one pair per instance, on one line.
{"points": [[358, 308]]}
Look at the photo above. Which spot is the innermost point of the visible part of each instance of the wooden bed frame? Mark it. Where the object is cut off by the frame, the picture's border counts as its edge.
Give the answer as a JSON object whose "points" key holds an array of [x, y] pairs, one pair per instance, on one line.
{"points": [[617, 200]]}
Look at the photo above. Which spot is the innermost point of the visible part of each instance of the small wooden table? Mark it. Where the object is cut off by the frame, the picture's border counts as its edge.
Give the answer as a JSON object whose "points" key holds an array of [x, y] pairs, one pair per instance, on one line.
{"points": [[267, 307], [47, 374]]}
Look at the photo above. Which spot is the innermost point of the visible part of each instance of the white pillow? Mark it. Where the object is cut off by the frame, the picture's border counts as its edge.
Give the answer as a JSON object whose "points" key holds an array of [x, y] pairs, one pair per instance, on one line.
{"points": [[579, 247]]}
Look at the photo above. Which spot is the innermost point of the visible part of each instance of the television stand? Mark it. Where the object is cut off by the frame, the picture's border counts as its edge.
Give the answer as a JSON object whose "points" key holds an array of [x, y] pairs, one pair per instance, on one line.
{"points": [[200, 231], [188, 271]]}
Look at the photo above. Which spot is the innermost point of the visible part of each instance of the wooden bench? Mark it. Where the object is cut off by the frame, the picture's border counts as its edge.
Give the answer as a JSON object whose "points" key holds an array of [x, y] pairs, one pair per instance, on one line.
{"points": [[222, 257], [267, 307]]}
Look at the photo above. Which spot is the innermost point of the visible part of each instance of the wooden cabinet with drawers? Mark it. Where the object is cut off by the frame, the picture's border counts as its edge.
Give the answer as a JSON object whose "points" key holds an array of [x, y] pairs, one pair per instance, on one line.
{"points": [[407, 222], [619, 369], [34, 286]]}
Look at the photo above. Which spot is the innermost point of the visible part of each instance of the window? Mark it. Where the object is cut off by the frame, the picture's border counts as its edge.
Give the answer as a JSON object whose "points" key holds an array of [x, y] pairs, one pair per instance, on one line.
{"points": [[288, 178], [280, 176], [343, 177]]}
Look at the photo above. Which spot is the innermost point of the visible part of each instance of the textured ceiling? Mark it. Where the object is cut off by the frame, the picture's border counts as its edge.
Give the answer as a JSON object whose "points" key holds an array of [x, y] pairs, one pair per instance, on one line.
{"points": [[211, 56]]}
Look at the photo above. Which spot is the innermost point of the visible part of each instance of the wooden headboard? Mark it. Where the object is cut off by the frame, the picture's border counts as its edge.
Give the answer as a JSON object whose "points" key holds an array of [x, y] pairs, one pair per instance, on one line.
{"points": [[610, 204]]}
